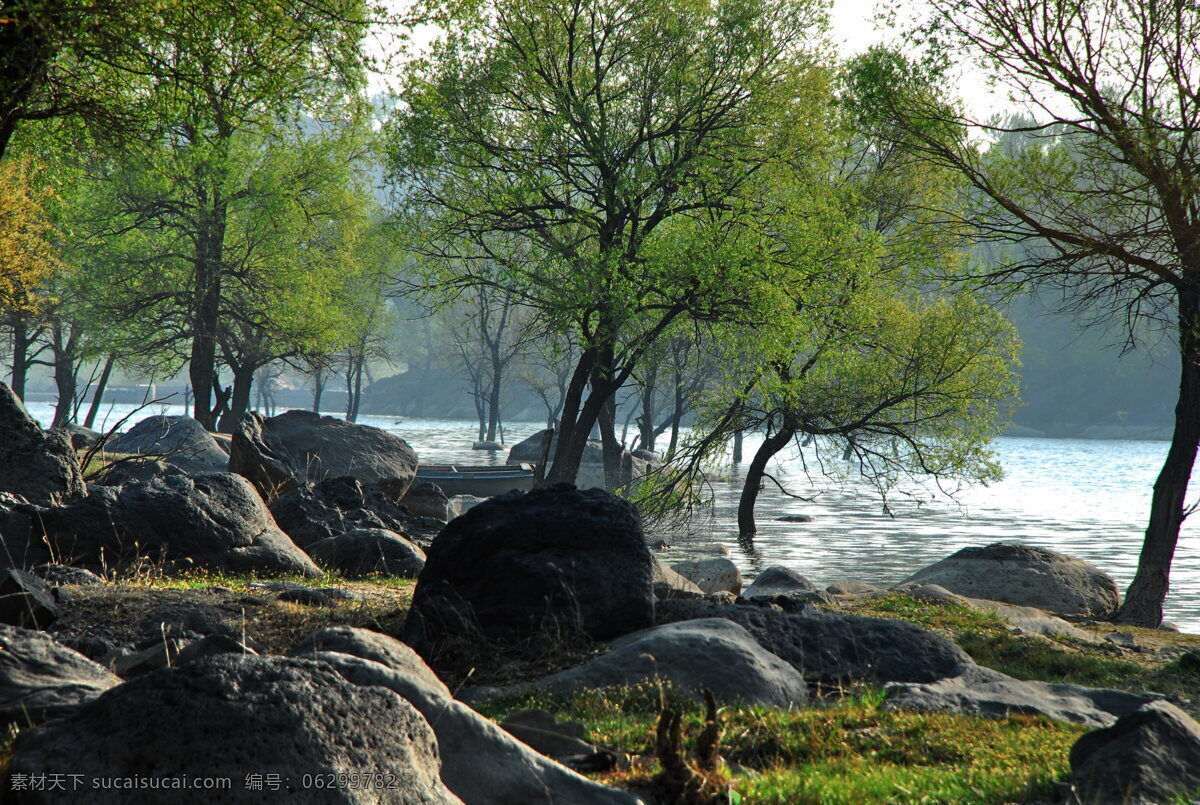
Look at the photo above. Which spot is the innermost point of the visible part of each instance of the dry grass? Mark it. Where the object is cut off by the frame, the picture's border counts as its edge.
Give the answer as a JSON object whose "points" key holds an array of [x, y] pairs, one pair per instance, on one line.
{"points": [[123, 611]]}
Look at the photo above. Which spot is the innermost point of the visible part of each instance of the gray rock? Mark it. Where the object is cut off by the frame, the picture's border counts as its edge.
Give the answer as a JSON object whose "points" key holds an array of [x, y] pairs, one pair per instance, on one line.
{"points": [[591, 468], [211, 646], [26, 600], [233, 717], [539, 730], [777, 580], [63, 575], [42, 679], [214, 521], [163, 654], [980, 691], [1028, 620], [38, 465], [365, 551], [279, 453], [835, 649], [851, 588], [556, 557], [461, 504], [313, 512], [426, 499], [318, 596], [669, 584], [81, 438], [138, 471], [481, 763], [795, 518], [1025, 576], [711, 653], [178, 441], [1147, 757], [712, 575]]}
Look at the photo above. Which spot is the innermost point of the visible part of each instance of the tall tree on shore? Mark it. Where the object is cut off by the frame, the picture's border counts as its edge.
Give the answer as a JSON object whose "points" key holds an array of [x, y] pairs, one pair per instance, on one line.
{"points": [[220, 92], [585, 129], [1101, 192]]}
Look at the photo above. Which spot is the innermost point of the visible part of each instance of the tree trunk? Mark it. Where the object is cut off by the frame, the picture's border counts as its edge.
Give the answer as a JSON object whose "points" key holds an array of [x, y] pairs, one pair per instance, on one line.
{"points": [[646, 434], [493, 403], [754, 476], [318, 390], [239, 399], [737, 447], [98, 396], [572, 433], [206, 314], [66, 374], [612, 447], [1144, 600], [20, 358], [676, 419]]}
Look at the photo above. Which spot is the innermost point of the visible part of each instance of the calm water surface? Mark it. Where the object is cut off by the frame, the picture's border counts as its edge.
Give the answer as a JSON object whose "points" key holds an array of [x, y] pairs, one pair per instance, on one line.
{"points": [[1085, 498]]}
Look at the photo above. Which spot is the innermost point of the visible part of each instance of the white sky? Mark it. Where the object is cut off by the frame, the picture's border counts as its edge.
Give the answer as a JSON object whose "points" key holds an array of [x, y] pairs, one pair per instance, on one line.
{"points": [[852, 29]]}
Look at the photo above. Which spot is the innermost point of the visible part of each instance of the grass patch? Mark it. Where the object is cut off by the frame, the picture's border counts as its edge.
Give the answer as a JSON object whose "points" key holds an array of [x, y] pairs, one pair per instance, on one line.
{"points": [[987, 637], [944, 615], [848, 752]]}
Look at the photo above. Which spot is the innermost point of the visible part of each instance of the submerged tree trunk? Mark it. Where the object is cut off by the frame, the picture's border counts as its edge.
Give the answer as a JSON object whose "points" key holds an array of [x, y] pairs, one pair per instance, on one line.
{"points": [[737, 447], [754, 476], [98, 396], [1168, 506]]}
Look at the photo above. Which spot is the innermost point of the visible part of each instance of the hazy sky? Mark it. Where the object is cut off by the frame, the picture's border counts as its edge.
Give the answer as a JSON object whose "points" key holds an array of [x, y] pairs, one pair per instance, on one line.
{"points": [[852, 30]]}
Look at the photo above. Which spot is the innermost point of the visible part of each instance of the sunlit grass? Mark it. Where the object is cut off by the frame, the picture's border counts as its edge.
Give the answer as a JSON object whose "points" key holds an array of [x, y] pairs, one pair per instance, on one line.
{"points": [[848, 752]]}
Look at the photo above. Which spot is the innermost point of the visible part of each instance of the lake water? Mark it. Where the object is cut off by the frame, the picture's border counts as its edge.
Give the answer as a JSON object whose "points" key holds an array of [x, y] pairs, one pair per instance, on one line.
{"points": [[1084, 498]]}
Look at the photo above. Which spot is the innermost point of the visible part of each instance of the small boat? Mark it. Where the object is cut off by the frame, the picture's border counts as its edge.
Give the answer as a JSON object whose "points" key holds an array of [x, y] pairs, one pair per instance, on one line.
{"points": [[482, 481]]}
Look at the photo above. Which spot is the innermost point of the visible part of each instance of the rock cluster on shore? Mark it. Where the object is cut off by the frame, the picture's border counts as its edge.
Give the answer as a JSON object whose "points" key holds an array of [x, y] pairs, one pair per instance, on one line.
{"points": [[555, 573]]}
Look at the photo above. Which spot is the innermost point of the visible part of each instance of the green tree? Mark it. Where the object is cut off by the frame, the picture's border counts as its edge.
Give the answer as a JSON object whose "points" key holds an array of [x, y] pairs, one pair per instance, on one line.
{"points": [[584, 130], [222, 90], [1101, 190]]}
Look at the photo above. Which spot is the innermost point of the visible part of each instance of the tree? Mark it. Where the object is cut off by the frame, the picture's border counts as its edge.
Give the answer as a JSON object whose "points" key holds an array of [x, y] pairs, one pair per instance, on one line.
{"points": [[584, 130], [29, 258], [489, 330], [1102, 189], [222, 90]]}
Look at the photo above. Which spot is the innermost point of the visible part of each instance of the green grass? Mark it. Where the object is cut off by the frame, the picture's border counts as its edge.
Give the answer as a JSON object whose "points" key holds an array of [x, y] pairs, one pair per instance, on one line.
{"points": [[944, 615], [848, 752]]}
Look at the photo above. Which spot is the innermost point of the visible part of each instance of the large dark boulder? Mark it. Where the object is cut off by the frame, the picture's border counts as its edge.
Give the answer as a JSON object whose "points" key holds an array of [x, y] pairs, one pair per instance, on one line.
{"points": [[239, 718], [314, 512], [481, 763], [215, 521], [38, 465], [1149, 756], [835, 649], [1026, 576], [42, 679], [178, 441], [556, 558], [279, 453], [366, 551]]}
